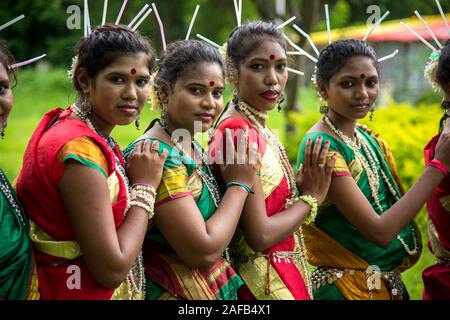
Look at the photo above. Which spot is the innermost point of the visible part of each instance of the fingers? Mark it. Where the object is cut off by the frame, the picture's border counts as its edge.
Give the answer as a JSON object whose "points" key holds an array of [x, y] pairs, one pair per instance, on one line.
{"points": [[243, 147], [163, 155], [316, 151], [331, 163], [307, 160], [137, 148], [253, 154], [229, 147], [323, 155], [146, 146]]}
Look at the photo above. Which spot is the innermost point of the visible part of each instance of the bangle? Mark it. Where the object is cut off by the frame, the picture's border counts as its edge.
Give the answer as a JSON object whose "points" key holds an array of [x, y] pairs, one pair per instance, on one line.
{"points": [[439, 165], [144, 187], [312, 202], [238, 184]]}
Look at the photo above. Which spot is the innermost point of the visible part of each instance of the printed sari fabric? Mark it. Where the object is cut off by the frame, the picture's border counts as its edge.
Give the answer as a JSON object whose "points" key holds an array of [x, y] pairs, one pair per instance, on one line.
{"points": [[333, 242], [61, 269], [436, 278], [266, 276], [167, 276], [16, 256]]}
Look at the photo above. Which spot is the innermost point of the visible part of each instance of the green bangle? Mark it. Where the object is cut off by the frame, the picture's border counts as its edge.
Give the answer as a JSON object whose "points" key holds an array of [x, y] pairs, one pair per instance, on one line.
{"points": [[312, 202], [231, 184]]}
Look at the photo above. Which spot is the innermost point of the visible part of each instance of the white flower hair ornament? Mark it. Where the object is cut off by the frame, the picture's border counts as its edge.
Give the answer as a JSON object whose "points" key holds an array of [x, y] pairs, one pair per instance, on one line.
{"points": [[430, 71]]}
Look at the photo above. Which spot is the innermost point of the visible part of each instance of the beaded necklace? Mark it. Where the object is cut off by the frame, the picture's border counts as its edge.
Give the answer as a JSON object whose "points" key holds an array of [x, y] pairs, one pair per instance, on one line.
{"points": [[208, 177], [6, 190], [288, 173], [370, 167], [137, 272]]}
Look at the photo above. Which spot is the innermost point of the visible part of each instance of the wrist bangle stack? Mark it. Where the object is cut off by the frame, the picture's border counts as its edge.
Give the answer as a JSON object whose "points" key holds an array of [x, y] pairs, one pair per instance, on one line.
{"points": [[439, 165], [143, 196], [312, 202], [238, 184]]}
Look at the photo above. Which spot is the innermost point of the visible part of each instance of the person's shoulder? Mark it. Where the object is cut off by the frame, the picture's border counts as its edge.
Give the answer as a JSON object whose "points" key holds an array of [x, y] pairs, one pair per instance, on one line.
{"points": [[233, 123]]}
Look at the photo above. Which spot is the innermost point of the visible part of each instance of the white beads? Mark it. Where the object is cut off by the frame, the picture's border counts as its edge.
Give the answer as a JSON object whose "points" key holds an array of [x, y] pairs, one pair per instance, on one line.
{"points": [[252, 114], [371, 168]]}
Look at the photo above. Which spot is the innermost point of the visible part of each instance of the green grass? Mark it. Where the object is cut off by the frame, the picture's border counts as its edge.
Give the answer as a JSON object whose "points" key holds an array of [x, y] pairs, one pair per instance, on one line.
{"points": [[40, 91]]}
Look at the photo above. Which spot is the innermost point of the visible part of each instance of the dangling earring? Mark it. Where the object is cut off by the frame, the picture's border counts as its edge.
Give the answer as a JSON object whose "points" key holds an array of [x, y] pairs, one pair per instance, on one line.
{"points": [[85, 108], [2, 133], [163, 114], [324, 107], [137, 123], [282, 99], [372, 113]]}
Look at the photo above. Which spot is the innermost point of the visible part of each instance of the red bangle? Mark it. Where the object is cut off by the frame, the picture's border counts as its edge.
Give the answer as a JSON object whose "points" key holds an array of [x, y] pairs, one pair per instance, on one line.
{"points": [[439, 165]]}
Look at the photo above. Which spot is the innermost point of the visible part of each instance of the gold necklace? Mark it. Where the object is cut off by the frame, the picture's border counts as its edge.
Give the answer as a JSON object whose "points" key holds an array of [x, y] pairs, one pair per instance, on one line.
{"points": [[283, 160], [370, 167]]}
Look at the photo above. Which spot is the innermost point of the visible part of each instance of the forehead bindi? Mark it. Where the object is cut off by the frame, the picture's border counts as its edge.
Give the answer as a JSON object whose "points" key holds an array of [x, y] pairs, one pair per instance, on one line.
{"points": [[133, 71]]}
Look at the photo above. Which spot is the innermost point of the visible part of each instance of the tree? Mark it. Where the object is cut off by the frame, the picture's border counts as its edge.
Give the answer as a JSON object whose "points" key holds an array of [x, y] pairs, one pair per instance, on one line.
{"points": [[308, 14]]}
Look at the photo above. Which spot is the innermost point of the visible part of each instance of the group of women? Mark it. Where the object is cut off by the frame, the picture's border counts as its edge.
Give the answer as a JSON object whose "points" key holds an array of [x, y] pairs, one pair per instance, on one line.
{"points": [[166, 219]]}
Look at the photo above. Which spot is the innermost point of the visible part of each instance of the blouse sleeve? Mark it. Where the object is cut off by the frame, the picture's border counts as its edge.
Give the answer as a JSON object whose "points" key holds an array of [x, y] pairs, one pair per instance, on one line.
{"points": [[85, 151]]}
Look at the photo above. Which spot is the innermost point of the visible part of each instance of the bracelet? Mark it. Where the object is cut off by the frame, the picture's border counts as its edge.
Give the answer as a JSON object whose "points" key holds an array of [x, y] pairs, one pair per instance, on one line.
{"points": [[144, 187], [147, 207], [238, 184], [439, 165], [312, 202]]}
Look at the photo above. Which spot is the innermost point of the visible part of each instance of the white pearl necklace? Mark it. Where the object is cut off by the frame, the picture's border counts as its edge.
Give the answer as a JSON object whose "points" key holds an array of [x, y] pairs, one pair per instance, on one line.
{"points": [[283, 160], [370, 167], [137, 272]]}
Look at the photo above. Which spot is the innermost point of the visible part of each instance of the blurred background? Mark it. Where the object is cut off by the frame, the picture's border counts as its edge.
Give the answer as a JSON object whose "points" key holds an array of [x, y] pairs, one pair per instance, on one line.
{"points": [[407, 113]]}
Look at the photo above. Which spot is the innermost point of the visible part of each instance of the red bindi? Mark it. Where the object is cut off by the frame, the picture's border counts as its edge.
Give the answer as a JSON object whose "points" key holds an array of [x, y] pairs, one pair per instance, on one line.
{"points": [[272, 57], [363, 76], [212, 83], [133, 71]]}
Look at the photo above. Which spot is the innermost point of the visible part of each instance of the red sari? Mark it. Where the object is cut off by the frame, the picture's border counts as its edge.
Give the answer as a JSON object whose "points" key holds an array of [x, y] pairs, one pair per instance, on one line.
{"points": [[266, 275], [37, 187], [437, 277]]}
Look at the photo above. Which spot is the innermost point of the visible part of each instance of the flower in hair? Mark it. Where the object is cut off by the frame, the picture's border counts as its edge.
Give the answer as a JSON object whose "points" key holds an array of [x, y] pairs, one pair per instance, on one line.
{"points": [[73, 67], [153, 98], [431, 70], [224, 51], [314, 78]]}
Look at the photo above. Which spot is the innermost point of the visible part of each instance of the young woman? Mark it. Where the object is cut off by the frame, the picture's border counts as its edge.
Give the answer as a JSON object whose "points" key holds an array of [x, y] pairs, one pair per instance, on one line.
{"points": [[194, 222], [88, 220], [436, 278], [363, 236], [268, 246], [17, 270]]}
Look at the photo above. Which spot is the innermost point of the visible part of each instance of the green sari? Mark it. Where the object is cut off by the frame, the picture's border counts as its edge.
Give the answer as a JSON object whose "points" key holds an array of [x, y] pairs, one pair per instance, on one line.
{"points": [[167, 276], [333, 237], [15, 247]]}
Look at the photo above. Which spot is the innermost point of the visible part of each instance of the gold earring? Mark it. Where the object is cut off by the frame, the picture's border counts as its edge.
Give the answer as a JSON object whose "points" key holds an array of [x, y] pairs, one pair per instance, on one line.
{"points": [[324, 106]]}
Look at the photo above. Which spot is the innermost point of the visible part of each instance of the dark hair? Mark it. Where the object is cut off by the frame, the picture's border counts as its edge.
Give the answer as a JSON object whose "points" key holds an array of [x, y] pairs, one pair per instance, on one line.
{"points": [[7, 60], [334, 57], [181, 57], [443, 70], [104, 45], [247, 37], [443, 78]]}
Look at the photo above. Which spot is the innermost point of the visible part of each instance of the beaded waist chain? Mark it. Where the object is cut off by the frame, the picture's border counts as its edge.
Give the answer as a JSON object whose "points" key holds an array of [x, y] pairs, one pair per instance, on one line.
{"points": [[277, 256], [322, 276]]}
